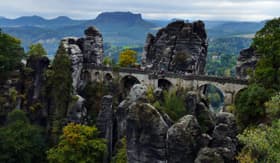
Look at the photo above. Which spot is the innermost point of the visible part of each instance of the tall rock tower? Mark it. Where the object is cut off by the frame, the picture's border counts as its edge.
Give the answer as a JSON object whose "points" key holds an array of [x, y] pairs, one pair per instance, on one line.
{"points": [[179, 47], [84, 51]]}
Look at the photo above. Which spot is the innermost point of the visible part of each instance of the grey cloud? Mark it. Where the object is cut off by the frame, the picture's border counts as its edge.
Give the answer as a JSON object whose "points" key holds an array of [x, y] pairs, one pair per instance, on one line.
{"points": [[159, 9]]}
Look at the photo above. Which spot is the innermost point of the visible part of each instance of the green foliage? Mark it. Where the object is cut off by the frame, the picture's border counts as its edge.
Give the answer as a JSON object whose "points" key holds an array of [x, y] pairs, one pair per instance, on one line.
{"points": [[172, 104], [273, 106], [11, 54], [127, 58], [267, 43], [37, 50], [20, 141], [250, 107], [108, 61], [150, 94], [121, 155], [221, 64], [79, 144], [93, 93], [59, 89], [261, 143], [8, 101]]}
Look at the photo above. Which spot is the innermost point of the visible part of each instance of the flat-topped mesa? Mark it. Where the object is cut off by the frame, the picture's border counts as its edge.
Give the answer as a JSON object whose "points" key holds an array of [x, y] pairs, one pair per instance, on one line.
{"points": [[179, 47], [83, 51], [247, 60]]}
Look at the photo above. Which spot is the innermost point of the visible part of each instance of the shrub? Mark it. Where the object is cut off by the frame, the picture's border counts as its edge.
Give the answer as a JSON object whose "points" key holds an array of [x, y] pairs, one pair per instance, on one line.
{"points": [[79, 143], [261, 143], [250, 105], [172, 104]]}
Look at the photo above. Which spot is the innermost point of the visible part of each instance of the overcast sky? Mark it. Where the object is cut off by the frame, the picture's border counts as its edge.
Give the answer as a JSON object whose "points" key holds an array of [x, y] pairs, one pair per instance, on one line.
{"points": [[251, 10]]}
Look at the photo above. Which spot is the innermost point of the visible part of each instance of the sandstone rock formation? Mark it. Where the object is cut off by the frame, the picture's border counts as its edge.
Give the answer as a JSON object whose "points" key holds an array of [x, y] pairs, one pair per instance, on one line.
{"points": [[182, 140], [137, 93], [180, 47], [83, 51], [38, 65], [247, 60], [105, 123], [146, 134], [200, 137], [78, 112]]}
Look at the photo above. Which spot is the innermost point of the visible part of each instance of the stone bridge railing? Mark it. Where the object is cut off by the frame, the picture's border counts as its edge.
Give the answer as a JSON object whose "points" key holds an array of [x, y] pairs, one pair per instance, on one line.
{"points": [[155, 75]]}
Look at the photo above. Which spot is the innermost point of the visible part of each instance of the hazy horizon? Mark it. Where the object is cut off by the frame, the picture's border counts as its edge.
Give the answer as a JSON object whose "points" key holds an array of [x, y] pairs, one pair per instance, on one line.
{"points": [[222, 10]]}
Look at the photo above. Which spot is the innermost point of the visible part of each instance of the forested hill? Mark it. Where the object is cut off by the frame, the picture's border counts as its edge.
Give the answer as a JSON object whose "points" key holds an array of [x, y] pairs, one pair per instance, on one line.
{"points": [[118, 28]]}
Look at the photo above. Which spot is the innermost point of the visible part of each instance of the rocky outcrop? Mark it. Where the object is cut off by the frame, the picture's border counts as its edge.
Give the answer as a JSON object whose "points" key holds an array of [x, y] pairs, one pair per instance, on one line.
{"points": [[137, 93], [146, 134], [38, 66], [209, 155], [224, 136], [247, 60], [83, 51], [179, 47], [77, 112], [182, 140], [105, 123]]}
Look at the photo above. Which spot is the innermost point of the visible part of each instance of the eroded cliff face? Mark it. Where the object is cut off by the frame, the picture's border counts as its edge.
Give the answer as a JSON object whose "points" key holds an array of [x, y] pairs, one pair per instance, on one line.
{"points": [[179, 47], [201, 136], [246, 61], [83, 51]]}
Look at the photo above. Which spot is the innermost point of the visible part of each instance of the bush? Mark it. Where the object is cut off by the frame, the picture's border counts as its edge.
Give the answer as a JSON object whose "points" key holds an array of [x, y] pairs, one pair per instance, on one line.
{"points": [[250, 107], [173, 104], [20, 141], [79, 143], [273, 106], [261, 143], [121, 156]]}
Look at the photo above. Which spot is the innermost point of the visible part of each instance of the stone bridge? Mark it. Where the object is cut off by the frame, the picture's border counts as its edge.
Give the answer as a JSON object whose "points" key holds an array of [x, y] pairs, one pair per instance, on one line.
{"points": [[128, 77]]}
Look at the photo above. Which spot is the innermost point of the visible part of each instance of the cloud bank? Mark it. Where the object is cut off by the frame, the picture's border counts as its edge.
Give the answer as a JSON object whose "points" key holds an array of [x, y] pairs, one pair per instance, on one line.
{"points": [[252, 10]]}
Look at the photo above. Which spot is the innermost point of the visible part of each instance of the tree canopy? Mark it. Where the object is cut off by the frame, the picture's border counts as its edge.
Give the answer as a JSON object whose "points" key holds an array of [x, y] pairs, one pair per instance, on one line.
{"points": [[127, 58], [20, 141], [37, 50], [59, 90], [267, 44], [80, 144], [11, 53]]}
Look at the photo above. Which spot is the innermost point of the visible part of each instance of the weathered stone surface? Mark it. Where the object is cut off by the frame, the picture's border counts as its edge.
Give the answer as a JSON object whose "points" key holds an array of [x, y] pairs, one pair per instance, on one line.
{"points": [[205, 117], [191, 101], [182, 140], [229, 119], [247, 59], [38, 65], [76, 57], [224, 136], [209, 155], [179, 47], [78, 112], [105, 124], [158, 93], [84, 50], [197, 107], [146, 135], [137, 93], [93, 46]]}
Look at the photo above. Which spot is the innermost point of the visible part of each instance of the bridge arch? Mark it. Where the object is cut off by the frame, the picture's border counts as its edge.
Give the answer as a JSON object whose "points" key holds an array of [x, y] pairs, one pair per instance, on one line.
{"points": [[108, 77], [237, 93], [127, 82], [97, 76], [214, 95], [164, 84], [85, 75]]}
